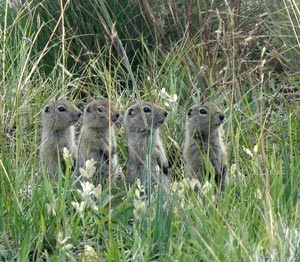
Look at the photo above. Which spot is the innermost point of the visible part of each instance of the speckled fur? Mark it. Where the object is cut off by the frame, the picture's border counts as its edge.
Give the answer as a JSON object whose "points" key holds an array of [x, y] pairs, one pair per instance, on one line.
{"points": [[57, 133], [144, 142], [97, 139], [203, 145]]}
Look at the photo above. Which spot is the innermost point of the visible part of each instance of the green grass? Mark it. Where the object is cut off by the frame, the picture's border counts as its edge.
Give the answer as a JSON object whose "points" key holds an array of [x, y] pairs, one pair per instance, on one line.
{"points": [[242, 68]]}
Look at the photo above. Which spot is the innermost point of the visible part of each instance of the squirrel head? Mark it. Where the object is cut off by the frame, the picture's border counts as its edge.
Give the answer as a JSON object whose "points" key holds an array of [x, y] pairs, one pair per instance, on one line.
{"points": [[60, 114], [144, 116], [100, 113], [204, 118]]}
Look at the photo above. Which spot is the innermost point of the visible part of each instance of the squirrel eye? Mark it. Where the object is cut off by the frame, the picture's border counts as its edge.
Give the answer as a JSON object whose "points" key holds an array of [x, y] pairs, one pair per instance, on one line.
{"points": [[147, 109], [203, 111], [100, 109], [61, 109], [47, 109]]}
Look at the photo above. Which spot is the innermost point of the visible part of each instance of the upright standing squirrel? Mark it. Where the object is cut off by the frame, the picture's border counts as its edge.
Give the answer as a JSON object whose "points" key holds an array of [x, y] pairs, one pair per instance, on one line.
{"points": [[147, 156], [58, 117], [203, 145], [97, 139]]}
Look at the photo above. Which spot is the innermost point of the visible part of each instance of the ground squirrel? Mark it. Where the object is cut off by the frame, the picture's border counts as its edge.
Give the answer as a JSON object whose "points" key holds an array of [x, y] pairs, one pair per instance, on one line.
{"points": [[58, 117], [142, 122], [203, 145], [97, 139]]}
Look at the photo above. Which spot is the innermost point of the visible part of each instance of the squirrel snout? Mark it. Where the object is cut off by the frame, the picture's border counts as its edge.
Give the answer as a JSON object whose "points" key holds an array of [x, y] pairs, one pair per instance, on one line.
{"points": [[165, 113], [222, 117], [115, 117]]}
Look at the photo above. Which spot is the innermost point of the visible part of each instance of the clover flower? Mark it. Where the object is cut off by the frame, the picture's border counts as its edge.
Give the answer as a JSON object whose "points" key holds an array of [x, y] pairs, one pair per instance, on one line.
{"points": [[139, 203], [89, 169], [168, 100], [51, 209], [89, 254], [79, 207], [63, 242], [248, 152], [67, 156]]}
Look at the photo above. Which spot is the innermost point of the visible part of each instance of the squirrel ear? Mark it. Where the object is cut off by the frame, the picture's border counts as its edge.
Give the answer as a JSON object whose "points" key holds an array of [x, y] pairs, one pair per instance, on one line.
{"points": [[131, 112], [46, 109]]}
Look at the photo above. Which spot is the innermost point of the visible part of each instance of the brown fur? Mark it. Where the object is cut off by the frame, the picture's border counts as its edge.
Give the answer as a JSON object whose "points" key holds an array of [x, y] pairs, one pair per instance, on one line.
{"points": [[57, 132], [203, 145], [142, 123], [97, 139]]}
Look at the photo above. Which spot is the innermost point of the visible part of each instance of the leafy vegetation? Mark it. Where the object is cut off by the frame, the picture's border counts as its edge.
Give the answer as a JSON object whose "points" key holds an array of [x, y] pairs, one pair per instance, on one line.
{"points": [[241, 54]]}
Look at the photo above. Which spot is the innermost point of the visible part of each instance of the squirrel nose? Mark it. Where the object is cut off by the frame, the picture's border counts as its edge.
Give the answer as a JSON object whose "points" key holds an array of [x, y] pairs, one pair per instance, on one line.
{"points": [[79, 115], [165, 113], [222, 116], [115, 117]]}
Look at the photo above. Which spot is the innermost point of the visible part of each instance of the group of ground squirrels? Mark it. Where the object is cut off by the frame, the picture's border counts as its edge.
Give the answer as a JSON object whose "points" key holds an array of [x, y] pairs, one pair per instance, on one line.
{"points": [[204, 152]]}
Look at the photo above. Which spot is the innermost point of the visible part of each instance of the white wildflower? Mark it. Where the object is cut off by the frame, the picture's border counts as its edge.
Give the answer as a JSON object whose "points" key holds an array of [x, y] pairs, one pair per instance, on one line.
{"points": [[174, 186], [163, 93], [139, 204], [63, 241], [87, 195], [87, 190], [89, 169], [258, 194], [168, 99], [51, 209], [237, 107], [66, 154], [79, 207], [178, 189], [139, 191], [139, 208], [92, 204], [208, 191], [67, 246], [255, 149], [97, 191], [174, 98], [60, 239], [182, 189], [138, 184], [248, 152], [89, 254], [234, 173], [207, 187], [194, 183], [166, 104], [233, 169]]}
